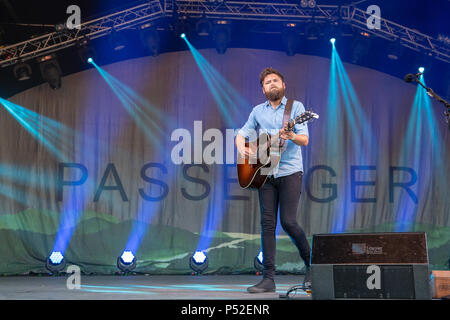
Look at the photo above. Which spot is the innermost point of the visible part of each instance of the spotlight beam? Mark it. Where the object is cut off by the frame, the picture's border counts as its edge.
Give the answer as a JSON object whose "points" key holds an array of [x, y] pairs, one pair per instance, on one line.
{"points": [[37, 128], [229, 101], [344, 104], [128, 101], [423, 157]]}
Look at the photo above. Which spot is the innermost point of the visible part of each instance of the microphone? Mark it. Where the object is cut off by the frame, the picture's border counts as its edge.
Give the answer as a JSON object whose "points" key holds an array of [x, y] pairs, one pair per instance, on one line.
{"points": [[410, 77]]}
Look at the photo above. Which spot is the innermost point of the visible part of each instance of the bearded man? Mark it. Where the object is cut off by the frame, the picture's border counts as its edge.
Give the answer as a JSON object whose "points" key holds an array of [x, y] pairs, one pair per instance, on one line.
{"points": [[282, 188]]}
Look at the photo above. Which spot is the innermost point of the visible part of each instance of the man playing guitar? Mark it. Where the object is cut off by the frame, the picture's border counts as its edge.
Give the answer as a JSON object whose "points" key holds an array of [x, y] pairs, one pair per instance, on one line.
{"points": [[283, 186]]}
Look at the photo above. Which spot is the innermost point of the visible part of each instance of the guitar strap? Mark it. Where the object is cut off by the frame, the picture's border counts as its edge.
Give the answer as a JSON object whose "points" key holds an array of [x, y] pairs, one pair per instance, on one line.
{"points": [[286, 118]]}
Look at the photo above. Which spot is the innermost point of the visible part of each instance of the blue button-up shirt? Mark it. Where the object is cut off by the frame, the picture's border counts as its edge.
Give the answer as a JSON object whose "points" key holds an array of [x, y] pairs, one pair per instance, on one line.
{"points": [[267, 119]]}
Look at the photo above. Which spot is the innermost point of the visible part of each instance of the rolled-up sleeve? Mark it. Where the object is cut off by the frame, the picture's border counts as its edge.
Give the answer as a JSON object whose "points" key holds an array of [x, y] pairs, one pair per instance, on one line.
{"points": [[300, 128], [249, 128]]}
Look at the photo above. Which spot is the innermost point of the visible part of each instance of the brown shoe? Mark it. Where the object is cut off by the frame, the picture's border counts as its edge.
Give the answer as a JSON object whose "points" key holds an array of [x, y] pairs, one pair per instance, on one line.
{"points": [[266, 285]]}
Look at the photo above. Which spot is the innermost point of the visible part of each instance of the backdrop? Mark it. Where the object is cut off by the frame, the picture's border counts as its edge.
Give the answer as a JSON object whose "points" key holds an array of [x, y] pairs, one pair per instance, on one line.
{"points": [[96, 167]]}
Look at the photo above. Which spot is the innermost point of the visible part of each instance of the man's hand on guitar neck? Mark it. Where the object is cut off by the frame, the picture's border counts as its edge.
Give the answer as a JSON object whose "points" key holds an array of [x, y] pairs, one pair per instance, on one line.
{"points": [[286, 135], [298, 139]]}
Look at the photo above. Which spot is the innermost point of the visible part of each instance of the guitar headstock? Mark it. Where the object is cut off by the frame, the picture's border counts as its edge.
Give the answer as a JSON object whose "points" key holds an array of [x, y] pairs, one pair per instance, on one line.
{"points": [[304, 117]]}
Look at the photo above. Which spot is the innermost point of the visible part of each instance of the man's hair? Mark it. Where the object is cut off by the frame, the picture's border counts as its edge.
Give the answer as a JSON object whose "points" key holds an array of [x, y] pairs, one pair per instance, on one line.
{"points": [[268, 71]]}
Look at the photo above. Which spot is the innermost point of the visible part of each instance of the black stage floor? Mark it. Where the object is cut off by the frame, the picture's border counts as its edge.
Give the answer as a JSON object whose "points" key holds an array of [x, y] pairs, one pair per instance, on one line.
{"points": [[138, 287]]}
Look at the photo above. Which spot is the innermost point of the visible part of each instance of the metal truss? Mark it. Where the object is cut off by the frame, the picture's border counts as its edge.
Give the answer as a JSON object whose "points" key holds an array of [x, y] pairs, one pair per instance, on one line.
{"points": [[257, 10], [406, 37], [226, 10], [93, 29]]}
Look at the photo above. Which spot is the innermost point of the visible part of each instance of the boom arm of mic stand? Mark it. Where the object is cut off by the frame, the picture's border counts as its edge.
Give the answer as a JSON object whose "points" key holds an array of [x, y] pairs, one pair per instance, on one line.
{"points": [[438, 98]]}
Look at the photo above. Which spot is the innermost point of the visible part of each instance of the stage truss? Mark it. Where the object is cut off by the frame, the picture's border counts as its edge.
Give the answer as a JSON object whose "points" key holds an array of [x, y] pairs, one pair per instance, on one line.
{"points": [[151, 12]]}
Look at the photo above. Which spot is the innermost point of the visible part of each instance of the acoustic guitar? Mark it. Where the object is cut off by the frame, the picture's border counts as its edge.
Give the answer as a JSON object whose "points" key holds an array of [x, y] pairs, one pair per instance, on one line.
{"points": [[253, 171]]}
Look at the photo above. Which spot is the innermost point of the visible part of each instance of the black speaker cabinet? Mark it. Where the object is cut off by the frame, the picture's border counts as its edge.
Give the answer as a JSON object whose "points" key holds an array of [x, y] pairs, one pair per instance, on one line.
{"points": [[370, 266]]}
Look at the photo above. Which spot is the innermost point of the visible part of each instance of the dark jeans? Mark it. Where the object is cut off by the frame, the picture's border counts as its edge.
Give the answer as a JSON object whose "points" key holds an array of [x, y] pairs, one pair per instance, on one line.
{"points": [[285, 192]]}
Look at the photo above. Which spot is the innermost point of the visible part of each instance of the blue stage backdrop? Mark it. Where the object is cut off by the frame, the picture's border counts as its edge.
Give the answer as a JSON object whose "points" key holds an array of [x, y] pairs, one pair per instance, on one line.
{"points": [[139, 155]]}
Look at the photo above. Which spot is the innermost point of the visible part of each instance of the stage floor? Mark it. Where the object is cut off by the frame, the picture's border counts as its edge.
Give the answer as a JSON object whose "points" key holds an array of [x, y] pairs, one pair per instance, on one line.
{"points": [[176, 287]]}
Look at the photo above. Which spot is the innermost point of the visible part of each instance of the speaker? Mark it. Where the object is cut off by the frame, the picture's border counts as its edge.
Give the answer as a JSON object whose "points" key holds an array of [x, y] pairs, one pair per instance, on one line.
{"points": [[370, 266]]}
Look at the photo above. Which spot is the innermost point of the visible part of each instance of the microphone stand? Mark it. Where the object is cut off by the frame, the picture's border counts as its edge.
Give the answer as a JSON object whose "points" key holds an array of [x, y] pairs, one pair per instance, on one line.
{"points": [[432, 94]]}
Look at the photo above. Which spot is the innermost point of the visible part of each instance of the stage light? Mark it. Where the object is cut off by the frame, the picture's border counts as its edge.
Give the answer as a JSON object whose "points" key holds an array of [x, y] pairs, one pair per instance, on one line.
{"points": [[199, 257], [127, 257], [222, 35], [60, 27], [50, 70], [394, 51], [291, 41], [332, 30], [421, 69], [258, 262], [183, 27], [361, 49], [312, 31], [306, 3], [56, 257], [198, 262], [151, 40], [55, 262], [127, 261], [90, 60], [85, 51], [22, 72], [118, 41], [333, 40], [203, 27]]}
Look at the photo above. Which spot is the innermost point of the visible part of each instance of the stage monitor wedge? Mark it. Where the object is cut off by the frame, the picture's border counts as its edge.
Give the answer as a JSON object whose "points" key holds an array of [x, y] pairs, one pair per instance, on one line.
{"points": [[370, 266]]}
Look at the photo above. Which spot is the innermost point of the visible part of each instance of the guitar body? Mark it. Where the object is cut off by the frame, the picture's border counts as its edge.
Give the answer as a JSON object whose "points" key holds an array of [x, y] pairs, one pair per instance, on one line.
{"points": [[251, 174]]}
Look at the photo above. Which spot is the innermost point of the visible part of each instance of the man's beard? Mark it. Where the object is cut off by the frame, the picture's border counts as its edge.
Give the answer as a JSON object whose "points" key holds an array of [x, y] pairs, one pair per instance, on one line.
{"points": [[274, 95]]}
